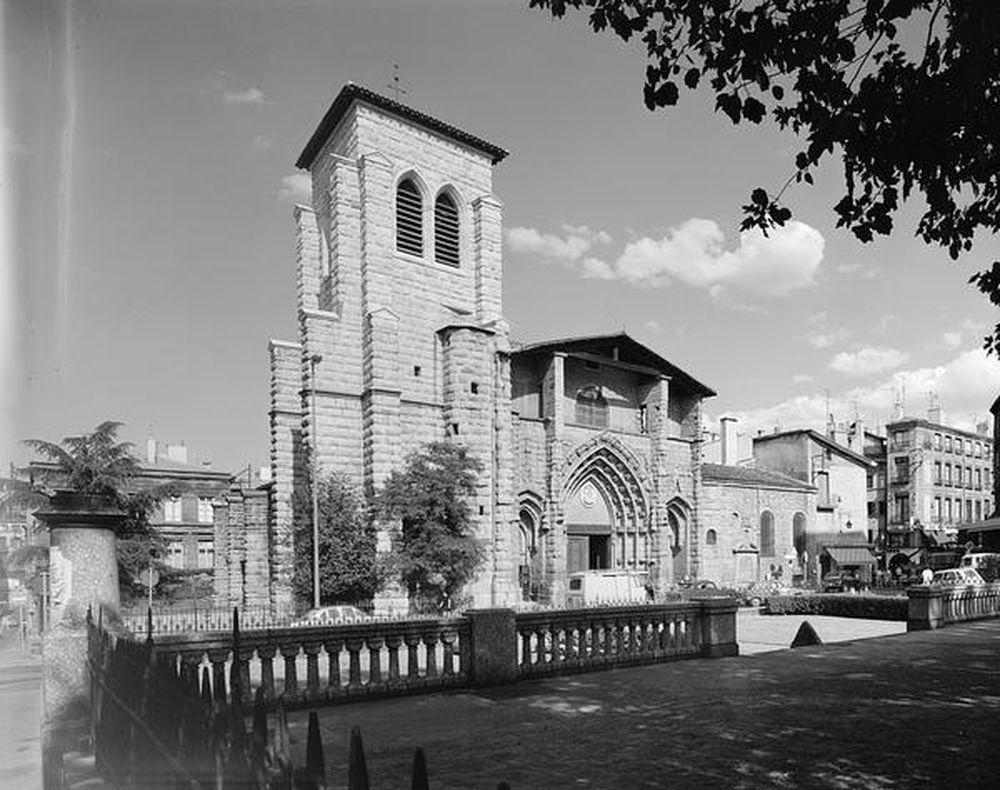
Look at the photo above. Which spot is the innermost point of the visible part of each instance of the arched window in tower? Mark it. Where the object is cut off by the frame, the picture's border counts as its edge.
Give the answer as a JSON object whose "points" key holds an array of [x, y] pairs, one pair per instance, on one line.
{"points": [[409, 218], [591, 408], [799, 533], [767, 534], [446, 230]]}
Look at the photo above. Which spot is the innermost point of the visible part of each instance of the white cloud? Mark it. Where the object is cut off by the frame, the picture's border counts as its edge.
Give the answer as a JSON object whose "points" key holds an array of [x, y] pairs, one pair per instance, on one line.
{"points": [[802, 378], [694, 254], [952, 339], [826, 339], [868, 360], [245, 96], [596, 269], [296, 188], [966, 387], [653, 325], [848, 268], [568, 250]]}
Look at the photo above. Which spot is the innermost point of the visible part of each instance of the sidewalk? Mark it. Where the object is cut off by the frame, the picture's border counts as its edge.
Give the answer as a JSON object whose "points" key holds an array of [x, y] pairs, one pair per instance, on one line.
{"points": [[913, 710], [20, 715]]}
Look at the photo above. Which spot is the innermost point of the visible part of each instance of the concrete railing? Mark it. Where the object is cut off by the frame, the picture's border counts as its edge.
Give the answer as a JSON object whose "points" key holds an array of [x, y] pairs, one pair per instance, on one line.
{"points": [[935, 606], [481, 647], [313, 664]]}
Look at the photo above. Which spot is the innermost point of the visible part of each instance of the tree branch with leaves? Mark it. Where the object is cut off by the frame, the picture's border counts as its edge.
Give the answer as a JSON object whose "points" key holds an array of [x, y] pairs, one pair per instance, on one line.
{"points": [[906, 92]]}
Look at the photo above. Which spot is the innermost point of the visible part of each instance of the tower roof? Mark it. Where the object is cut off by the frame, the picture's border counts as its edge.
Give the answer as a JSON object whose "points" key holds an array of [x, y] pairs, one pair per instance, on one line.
{"points": [[351, 93]]}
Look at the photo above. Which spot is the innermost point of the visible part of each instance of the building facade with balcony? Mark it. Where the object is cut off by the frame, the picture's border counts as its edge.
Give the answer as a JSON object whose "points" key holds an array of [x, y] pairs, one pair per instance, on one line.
{"points": [[939, 478]]}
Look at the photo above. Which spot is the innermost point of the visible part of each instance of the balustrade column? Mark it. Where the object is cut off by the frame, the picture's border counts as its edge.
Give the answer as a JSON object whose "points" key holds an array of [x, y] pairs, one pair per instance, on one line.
{"points": [[412, 639], [392, 643], [354, 664], [374, 644], [448, 639], [266, 655], [333, 683], [311, 650], [290, 653], [218, 658], [430, 639]]}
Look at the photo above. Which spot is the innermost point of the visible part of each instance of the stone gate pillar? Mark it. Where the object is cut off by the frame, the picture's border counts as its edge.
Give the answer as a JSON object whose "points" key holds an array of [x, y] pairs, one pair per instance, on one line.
{"points": [[84, 573]]}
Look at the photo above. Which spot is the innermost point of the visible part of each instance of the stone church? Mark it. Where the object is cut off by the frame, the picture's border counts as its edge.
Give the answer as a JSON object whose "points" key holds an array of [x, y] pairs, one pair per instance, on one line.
{"points": [[591, 446]]}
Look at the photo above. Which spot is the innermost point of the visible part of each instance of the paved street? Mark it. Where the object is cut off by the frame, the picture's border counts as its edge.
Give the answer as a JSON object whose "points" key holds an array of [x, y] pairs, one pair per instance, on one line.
{"points": [[915, 710], [20, 716]]}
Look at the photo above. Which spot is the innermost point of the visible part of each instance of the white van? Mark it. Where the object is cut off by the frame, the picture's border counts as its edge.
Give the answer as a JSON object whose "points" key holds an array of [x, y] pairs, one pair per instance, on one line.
{"points": [[597, 588]]}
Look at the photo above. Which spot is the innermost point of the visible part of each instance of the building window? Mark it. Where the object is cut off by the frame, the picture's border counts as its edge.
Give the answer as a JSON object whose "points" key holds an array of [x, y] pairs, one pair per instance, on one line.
{"points": [[902, 504], [958, 476], [947, 474], [204, 510], [979, 510], [948, 513], [968, 447], [936, 509], [172, 509], [968, 510], [710, 538], [446, 230], [643, 419], [409, 218], [474, 388], [799, 533], [591, 408], [937, 441], [979, 449], [175, 554], [206, 554], [902, 469], [767, 534], [947, 444], [937, 473]]}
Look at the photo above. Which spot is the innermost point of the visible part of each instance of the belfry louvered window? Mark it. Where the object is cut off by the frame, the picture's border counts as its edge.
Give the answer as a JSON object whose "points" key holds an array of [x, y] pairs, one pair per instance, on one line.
{"points": [[409, 218], [446, 230]]}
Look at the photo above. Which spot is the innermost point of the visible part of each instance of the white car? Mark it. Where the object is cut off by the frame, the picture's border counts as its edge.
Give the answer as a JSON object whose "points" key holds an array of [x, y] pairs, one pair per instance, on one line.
{"points": [[339, 614], [957, 576]]}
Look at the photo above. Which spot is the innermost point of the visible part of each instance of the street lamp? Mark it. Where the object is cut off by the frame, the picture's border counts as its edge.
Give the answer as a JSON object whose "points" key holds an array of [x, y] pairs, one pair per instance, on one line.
{"points": [[314, 360]]}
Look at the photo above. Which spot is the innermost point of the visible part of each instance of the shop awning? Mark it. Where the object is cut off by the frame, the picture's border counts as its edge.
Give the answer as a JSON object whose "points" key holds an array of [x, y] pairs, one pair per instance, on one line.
{"points": [[850, 555]]}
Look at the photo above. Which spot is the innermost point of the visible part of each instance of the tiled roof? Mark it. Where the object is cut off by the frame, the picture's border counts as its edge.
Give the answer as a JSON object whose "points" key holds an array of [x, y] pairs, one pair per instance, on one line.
{"points": [[750, 477], [633, 350], [351, 93]]}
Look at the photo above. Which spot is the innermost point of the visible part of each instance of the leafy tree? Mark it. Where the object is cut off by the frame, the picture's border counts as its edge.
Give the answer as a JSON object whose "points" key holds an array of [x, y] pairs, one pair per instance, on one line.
{"points": [[349, 568], [98, 463], [437, 552], [906, 92]]}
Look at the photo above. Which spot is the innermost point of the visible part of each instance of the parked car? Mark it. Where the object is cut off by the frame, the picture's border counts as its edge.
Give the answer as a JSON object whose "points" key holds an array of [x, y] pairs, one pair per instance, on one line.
{"points": [[957, 576], [339, 614], [841, 582], [595, 588], [987, 564]]}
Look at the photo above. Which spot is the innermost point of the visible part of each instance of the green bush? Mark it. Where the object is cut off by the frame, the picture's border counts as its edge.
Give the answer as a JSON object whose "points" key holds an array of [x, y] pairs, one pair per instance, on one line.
{"points": [[872, 607]]}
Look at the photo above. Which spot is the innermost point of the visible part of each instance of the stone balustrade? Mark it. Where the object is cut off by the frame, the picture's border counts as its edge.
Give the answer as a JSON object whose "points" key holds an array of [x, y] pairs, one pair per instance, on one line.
{"points": [[934, 606], [313, 664], [320, 664], [580, 640]]}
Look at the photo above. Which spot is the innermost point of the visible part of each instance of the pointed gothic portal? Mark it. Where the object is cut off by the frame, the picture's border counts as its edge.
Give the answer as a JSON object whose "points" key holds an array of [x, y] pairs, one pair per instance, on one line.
{"points": [[606, 513]]}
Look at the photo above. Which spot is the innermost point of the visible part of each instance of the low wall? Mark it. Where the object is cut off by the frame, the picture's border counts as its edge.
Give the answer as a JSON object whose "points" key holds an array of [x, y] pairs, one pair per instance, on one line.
{"points": [[935, 606], [482, 647]]}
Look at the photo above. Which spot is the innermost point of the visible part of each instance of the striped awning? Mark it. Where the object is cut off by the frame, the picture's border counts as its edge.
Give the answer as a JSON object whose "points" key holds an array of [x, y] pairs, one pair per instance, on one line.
{"points": [[850, 555]]}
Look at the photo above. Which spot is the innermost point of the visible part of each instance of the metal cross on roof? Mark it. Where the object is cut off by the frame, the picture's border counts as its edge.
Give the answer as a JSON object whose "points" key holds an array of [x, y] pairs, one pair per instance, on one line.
{"points": [[395, 86]]}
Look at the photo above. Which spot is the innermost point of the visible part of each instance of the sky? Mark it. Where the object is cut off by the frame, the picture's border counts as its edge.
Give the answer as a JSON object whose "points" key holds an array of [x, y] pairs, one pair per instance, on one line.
{"points": [[148, 245]]}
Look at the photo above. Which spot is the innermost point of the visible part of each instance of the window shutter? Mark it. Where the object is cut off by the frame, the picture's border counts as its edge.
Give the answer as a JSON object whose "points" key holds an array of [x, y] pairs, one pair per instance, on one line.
{"points": [[446, 230], [409, 218]]}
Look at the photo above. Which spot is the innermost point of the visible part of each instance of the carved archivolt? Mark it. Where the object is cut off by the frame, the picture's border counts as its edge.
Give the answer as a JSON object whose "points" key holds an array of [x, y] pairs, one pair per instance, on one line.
{"points": [[610, 466]]}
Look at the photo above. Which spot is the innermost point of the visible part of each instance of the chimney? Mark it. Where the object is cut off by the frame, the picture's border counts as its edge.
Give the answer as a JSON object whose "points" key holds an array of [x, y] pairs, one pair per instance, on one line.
{"points": [[934, 414], [983, 428], [727, 434], [151, 450], [177, 453], [856, 436]]}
